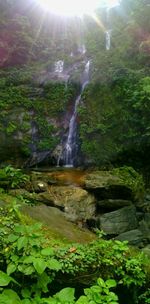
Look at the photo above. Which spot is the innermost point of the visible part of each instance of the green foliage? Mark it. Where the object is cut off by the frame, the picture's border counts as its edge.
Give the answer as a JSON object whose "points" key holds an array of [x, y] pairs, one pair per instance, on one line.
{"points": [[100, 293], [28, 257], [13, 178]]}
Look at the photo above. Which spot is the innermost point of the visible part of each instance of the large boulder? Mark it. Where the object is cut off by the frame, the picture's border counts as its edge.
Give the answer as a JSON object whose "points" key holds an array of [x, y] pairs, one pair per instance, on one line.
{"points": [[77, 203], [119, 221], [134, 237], [58, 226], [106, 185]]}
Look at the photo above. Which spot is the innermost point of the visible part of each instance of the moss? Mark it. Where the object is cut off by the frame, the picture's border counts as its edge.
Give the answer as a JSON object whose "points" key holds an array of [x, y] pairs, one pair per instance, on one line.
{"points": [[131, 179]]}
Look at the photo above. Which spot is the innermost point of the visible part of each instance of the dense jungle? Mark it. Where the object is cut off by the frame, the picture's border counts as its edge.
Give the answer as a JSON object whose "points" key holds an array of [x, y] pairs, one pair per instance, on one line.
{"points": [[74, 152]]}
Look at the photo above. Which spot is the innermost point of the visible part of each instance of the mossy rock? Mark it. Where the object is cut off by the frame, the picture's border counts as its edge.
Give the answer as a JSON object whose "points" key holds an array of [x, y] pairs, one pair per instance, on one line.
{"points": [[58, 226]]}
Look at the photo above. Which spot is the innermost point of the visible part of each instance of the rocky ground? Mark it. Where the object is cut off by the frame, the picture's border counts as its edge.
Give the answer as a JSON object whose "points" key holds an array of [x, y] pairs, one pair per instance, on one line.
{"points": [[98, 200]]}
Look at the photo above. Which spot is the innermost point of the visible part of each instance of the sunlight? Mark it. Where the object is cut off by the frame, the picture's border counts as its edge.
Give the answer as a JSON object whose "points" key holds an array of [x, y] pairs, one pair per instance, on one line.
{"points": [[75, 8]]}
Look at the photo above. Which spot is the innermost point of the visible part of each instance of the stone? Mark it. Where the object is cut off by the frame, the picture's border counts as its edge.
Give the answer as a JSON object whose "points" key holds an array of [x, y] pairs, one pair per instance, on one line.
{"points": [[76, 202], [147, 219], [146, 250], [134, 237], [112, 204], [118, 221], [39, 186], [105, 185], [144, 226], [58, 226]]}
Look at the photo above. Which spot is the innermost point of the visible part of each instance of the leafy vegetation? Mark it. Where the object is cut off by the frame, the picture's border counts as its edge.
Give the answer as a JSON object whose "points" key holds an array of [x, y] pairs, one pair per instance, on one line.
{"points": [[12, 178], [34, 267]]}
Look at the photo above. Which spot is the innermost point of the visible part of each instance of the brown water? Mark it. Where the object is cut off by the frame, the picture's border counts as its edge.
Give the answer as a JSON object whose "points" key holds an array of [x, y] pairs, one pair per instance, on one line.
{"points": [[69, 177]]}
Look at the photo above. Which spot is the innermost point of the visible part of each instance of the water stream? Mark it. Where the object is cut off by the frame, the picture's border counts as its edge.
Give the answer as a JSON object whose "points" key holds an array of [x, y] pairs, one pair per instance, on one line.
{"points": [[108, 31], [71, 145]]}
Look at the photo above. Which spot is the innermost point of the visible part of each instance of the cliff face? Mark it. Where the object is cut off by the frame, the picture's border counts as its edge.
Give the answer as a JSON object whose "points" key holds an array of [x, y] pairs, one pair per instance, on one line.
{"points": [[37, 98]]}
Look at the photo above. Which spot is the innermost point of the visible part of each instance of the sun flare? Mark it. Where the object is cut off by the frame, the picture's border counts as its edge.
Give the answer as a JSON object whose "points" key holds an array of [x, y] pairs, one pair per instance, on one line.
{"points": [[76, 7]]}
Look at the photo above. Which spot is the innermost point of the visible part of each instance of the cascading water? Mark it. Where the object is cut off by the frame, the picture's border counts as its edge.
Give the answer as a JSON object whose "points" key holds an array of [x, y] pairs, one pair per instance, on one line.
{"points": [[59, 66], [70, 149], [108, 32], [108, 40]]}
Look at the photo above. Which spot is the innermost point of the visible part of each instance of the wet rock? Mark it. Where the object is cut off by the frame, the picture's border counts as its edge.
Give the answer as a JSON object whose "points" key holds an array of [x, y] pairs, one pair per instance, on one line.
{"points": [[45, 177], [77, 203], [58, 226], [134, 237], [119, 221], [39, 186]]}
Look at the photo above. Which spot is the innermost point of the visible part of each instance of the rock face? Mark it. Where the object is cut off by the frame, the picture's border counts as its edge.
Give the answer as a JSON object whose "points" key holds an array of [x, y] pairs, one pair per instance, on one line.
{"points": [[134, 237], [113, 204], [58, 225], [119, 221], [77, 203], [105, 203]]}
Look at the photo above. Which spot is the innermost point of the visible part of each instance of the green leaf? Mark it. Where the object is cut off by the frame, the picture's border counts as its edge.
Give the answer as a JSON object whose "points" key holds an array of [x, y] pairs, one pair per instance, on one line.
{"points": [[47, 251], [101, 282], [4, 279], [28, 270], [96, 288], [43, 281], [53, 264], [9, 297], [12, 238], [66, 295], [11, 268], [39, 265], [28, 259], [22, 242], [26, 301], [111, 283], [82, 300], [25, 292], [14, 258]]}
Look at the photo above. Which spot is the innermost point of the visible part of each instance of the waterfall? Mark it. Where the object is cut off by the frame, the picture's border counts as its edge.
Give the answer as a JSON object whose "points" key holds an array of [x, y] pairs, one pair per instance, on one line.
{"points": [[59, 66], [70, 149], [108, 31], [108, 39]]}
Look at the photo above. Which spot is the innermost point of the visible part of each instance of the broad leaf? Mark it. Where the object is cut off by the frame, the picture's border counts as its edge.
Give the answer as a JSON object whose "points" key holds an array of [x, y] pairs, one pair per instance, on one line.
{"points": [[28, 259], [12, 238], [65, 295], [101, 282], [22, 242], [4, 279], [47, 251], [111, 283], [25, 292], [43, 281], [9, 297], [39, 265], [28, 270], [11, 268], [53, 264]]}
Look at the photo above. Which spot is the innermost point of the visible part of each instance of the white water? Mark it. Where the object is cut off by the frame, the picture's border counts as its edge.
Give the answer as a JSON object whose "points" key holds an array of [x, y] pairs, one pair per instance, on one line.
{"points": [[108, 39], [71, 144], [59, 66], [108, 31]]}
